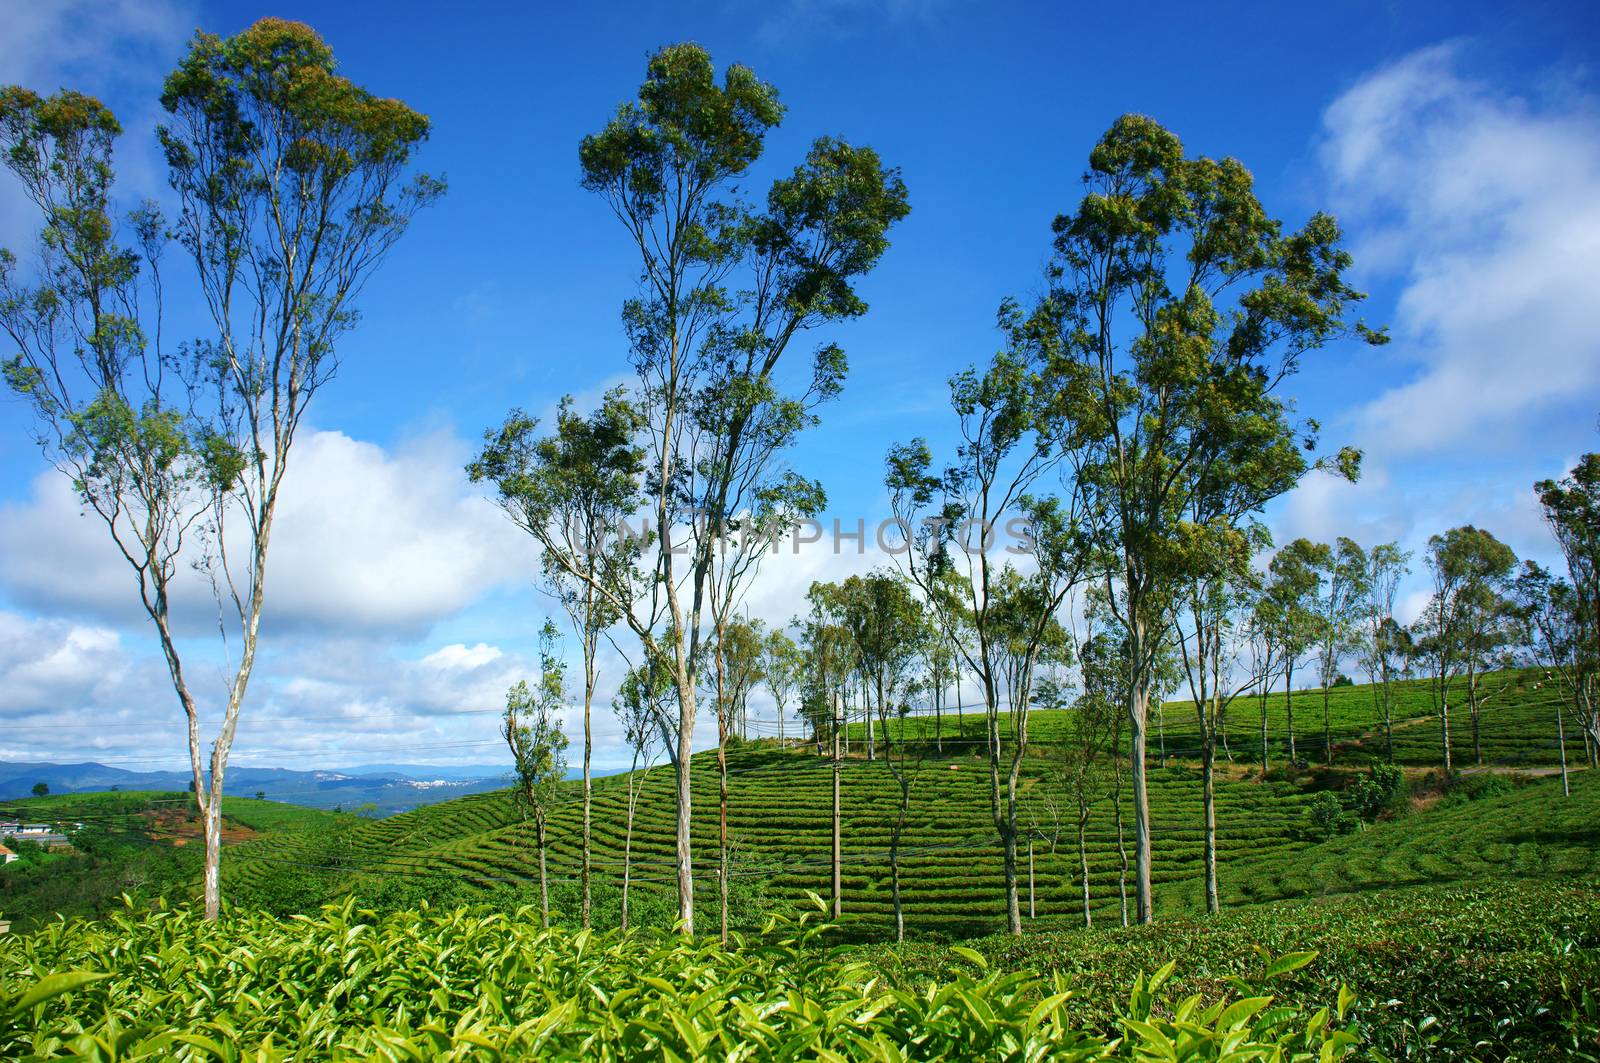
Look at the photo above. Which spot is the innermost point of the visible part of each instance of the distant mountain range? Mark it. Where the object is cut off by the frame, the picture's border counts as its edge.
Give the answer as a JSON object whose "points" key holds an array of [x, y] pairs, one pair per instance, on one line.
{"points": [[389, 788]]}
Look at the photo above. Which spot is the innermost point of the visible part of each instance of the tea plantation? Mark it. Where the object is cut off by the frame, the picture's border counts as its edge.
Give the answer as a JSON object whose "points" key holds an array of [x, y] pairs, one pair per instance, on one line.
{"points": [[1517, 726], [779, 818], [424, 985], [1463, 923]]}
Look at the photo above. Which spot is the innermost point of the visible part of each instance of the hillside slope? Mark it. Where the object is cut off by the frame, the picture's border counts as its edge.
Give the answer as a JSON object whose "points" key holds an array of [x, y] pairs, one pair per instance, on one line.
{"points": [[1516, 728], [1512, 831], [779, 814], [146, 845], [779, 820]]}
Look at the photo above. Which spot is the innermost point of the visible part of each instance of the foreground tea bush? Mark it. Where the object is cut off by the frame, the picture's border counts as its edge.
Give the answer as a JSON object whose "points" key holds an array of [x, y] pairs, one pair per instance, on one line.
{"points": [[1489, 971], [428, 985]]}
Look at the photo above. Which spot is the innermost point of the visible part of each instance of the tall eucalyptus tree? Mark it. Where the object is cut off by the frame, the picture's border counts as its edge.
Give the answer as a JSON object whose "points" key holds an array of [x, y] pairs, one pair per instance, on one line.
{"points": [[724, 290], [1012, 435], [1181, 306], [1343, 575], [292, 187], [572, 491], [1383, 645]]}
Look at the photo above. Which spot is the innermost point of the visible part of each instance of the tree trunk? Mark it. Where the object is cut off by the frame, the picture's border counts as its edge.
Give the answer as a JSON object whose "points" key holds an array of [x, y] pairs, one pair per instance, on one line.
{"points": [[894, 859], [961, 714], [627, 849], [1327, 727], [871, 740], [1288, 709], [1208, 756], [1473, 708], [586, 902], [1013, 905], [722, 826], [1388, 718], [213, 858], [1444, 728], [1561, 740], [1263, 732], [1139, 704], [838, 885], [1122, 848], [684, 840], [1003, 804], [1161, 731], [544, 881], [724, 714], [1032, 911], [1083, 858]]}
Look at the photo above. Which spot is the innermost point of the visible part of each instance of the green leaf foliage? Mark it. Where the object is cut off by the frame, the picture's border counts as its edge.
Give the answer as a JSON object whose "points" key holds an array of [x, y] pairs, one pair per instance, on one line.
{"points": [[436, 985]]}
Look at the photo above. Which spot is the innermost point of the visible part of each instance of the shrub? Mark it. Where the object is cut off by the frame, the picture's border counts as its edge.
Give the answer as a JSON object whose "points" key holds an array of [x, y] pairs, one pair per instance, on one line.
{"points": [[1325, 816], [1382, 789], [1476, 787], [347, 984]]}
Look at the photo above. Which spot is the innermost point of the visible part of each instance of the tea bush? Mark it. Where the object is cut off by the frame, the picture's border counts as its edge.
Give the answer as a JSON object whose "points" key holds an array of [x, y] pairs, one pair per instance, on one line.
{"points": [[1490, 971], [431, 985]]}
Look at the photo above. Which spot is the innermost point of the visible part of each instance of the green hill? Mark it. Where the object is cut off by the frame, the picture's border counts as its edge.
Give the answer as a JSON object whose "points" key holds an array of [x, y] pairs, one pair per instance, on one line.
{"points": [[1487, 828], [1517, 726], [779, 818], [477, 848], [951, 868], [145, 844]]}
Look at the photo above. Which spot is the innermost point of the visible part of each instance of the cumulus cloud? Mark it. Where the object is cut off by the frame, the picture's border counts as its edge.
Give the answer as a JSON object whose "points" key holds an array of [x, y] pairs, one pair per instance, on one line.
{"points": [[1487, 204], [71, 690], [104, 41], [1480, 207], [379, 541], [365, 541]]}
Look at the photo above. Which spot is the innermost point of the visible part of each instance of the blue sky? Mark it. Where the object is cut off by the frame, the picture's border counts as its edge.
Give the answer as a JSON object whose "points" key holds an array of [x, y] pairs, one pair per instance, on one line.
{"points": [[1457, 142]]}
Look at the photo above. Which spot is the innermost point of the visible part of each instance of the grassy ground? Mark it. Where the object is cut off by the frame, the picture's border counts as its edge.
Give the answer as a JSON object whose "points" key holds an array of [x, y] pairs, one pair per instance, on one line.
{"points": [[1517, 830], [291, 860], [951, 865]]}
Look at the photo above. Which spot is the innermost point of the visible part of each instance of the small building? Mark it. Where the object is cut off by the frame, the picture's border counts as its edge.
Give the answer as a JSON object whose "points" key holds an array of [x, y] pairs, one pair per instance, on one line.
{"points": [[6, 855]]}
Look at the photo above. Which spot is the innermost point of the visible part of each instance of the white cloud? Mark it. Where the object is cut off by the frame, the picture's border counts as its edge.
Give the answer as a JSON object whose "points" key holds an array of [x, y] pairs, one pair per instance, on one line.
{"points": [[456, 657], [48, 665], [1484, 206], [374, 541], [1325, 506], [73, 690], [103, 41], [365, 541], [1488, 205]]}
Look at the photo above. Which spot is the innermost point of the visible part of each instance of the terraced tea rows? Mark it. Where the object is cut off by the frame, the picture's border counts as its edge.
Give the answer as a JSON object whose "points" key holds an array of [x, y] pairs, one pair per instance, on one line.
{"points": [[951, 864], [1529, 832], [779, 820], [1517, 726]]}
